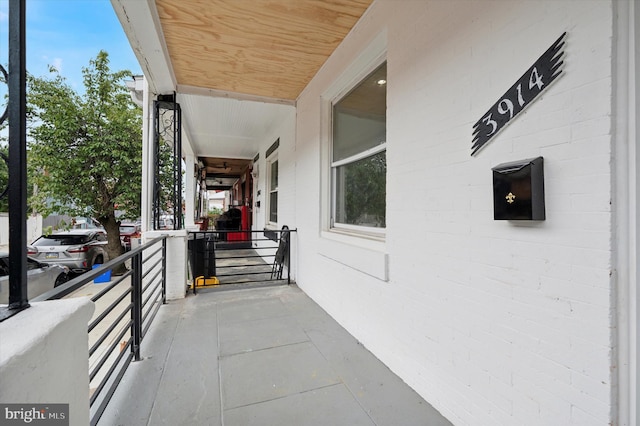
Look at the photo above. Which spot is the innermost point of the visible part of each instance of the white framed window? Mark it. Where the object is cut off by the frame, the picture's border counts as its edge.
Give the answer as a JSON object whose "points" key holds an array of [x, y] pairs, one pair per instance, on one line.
{"points": [[358, 156], [272, 189], [360, 245]]}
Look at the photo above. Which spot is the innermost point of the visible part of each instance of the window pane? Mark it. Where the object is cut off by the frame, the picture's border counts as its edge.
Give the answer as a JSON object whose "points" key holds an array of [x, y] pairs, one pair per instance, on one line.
{"points": [[61, 240], [360, 118], [273, 207], [4, 265], [32, 264], [361, 189], [274, 175]]}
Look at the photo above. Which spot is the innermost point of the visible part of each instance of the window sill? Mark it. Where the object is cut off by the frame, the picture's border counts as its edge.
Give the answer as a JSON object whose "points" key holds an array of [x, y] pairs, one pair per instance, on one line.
{"points": [[363, 253], [357, 236]]}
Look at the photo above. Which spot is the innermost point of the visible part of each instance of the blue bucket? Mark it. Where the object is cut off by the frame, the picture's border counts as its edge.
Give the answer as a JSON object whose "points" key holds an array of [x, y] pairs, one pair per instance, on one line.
{"points": [[104, 278]]}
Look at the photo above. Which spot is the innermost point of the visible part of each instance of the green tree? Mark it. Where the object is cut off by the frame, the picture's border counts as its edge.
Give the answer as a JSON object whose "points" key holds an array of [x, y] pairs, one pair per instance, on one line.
{"points": [[366, 190], [4, 171], [85, 150]]}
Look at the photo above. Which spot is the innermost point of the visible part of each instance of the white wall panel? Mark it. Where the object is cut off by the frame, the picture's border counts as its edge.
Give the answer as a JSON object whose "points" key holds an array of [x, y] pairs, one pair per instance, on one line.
{"points": [[493, 322]]}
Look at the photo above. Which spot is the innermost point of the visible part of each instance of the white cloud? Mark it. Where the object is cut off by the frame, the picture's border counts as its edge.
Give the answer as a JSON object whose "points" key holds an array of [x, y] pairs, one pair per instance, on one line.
{"points": [[57, 63], [48, 62]]}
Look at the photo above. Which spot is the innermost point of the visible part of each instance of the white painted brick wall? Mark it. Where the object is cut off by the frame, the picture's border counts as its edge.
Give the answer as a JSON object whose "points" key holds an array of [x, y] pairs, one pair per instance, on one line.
{"points": [[285, 131], [494, 323]]}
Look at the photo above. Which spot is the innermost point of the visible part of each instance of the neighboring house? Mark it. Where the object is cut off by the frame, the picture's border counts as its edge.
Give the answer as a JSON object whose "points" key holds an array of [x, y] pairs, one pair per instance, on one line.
{"points": [[494, 322], [217, 200], [56, 221], [34, 229]]}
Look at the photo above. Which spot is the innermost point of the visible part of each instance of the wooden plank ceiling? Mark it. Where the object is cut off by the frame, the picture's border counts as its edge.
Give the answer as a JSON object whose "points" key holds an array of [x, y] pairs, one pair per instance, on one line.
{"points": [[221, 173], [261, 48]]}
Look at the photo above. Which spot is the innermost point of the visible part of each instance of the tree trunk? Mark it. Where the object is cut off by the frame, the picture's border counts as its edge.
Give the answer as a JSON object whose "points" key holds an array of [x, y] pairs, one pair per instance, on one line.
{"points": [[114, 245]]}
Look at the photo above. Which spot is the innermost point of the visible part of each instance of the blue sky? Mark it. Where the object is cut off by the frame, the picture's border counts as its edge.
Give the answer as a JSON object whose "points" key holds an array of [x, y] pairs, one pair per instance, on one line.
{"points": [[67, 34]]}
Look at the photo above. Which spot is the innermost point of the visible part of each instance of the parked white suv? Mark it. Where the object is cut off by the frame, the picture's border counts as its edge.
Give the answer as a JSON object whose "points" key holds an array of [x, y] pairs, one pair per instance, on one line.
{"points": [[78, 249]]}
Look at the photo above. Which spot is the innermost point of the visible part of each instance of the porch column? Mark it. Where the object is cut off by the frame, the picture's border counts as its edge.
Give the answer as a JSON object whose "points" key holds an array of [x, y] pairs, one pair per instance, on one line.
{"points": [[190, 192], [177, 250], [627, 212], [147, 159]]}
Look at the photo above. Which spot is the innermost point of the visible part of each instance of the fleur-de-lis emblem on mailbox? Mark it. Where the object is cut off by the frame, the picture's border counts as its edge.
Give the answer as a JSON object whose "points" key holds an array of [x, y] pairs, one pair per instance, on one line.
{"points": [[510, 198]]}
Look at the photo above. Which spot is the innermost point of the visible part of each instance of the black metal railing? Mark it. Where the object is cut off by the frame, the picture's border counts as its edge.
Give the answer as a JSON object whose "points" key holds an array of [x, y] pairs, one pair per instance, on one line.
{"points": [[16, 113], [167, 135], [240, 257], [125, 306]]}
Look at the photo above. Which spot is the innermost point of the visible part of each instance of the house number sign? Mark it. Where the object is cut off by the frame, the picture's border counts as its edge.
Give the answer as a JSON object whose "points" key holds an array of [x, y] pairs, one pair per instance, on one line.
{"points": [[544, 71]]}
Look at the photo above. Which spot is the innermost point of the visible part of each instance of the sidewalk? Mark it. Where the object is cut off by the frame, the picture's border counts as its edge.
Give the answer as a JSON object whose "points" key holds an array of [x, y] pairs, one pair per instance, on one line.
{"points": [[262, 356]]}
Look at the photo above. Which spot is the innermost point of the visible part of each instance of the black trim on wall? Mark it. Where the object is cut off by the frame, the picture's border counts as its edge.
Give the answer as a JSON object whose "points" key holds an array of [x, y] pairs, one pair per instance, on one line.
{"points": [[273, 147]]}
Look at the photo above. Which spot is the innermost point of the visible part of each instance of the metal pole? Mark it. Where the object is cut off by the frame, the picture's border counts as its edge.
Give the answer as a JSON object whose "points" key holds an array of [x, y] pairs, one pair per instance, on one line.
{"points": [[177, 163], [176, 167], [164, 270], [17, 83], [136, 312], [288, 256], [178, 134], [194, 259], [156, 165]]}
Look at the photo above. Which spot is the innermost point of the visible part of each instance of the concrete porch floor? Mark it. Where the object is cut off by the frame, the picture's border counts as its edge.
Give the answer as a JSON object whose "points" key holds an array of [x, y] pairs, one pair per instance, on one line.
{"points": [[259, 356]]}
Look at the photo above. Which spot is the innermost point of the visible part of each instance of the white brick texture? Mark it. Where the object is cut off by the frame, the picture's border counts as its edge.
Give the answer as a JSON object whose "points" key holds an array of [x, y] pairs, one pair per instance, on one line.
{"points": [[493, 322]]}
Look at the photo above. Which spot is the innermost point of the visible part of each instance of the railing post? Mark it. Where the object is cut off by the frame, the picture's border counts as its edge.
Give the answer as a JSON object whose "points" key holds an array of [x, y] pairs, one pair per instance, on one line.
{"points": [[164, 270], [288, 256], [136, 312], [194, 245], [17, 157]]}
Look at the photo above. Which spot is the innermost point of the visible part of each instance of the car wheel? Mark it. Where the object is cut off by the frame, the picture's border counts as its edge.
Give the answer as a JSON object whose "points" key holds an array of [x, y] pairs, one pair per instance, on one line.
{"points": [[62, 278]]}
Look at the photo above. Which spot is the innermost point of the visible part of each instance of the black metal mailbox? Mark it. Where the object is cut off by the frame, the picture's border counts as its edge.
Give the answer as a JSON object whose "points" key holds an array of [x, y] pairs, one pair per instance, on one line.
{"points": [[518, 190]]}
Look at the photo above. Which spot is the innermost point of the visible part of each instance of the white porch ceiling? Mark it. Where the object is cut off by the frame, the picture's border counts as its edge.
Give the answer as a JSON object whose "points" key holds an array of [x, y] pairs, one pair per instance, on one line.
{"points": [[227, 128]]}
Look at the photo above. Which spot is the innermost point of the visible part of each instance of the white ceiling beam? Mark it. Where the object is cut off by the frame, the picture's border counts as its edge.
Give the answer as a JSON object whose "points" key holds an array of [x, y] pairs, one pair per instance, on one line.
{"points": [[139, 19]]}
